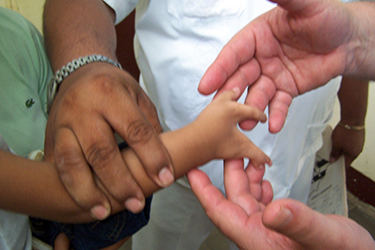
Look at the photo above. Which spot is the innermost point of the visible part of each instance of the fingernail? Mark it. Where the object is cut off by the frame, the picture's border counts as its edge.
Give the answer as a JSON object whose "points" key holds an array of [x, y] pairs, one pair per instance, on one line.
{"points": [[270, 163], [283, 218], [100, 212], [260, 166], [165, 176], [134, 205], [236, 90]]}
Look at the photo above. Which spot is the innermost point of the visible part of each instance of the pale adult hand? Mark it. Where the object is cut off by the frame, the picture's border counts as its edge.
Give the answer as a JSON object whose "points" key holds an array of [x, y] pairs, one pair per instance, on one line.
{"points": [[282, 224], [93, 103], [294, 48], [348, 143], [305, 228]]}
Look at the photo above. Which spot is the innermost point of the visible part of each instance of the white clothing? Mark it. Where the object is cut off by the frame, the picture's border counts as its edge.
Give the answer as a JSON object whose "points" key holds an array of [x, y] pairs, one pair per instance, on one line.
{"points": [[175, 42]]}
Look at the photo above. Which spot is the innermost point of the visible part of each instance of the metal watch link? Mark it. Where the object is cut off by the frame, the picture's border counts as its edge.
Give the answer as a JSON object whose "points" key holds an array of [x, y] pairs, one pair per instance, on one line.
{"points": [[60, 75]]}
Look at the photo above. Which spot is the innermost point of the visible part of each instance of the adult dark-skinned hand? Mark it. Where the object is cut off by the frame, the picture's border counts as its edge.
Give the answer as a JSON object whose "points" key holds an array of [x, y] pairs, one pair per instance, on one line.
{"points": [[348, 143], [94, 102], [80, 136]]}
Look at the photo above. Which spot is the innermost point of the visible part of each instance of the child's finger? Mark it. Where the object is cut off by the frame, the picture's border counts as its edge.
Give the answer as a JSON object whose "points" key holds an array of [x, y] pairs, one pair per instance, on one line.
{"points": [[243, 111], [248, 149], [229, 95], [246, 112]]}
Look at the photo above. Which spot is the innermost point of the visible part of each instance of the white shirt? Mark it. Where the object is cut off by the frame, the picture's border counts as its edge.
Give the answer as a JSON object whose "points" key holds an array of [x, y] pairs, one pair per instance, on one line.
{"points": [[176, 41]]}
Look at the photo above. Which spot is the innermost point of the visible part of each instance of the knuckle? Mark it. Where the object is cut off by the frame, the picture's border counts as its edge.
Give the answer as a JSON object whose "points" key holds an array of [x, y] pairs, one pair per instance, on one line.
{"points": [[100, 155], [83, 199], [69, 165], [139, 132], [122, 194], [105, 84], [67, 162], [122, 188]]}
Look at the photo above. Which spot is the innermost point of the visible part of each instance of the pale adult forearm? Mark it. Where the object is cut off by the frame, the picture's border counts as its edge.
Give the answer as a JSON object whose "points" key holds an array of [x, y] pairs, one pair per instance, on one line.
{"points": [[353, 96], [361, 53], [78, 28]]}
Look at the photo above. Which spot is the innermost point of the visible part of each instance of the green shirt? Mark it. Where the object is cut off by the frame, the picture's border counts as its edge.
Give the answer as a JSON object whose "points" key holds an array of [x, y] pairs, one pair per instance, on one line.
{"points": [[24, 74]]}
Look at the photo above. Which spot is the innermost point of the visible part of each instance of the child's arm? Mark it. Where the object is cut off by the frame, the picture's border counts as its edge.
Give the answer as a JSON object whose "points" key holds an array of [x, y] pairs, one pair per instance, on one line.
{"points": [[34, 188], [213, 135]]}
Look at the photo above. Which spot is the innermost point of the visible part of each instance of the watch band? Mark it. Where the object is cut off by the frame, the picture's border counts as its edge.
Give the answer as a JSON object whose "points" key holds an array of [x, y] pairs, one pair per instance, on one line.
{"points": [[61, 74]]}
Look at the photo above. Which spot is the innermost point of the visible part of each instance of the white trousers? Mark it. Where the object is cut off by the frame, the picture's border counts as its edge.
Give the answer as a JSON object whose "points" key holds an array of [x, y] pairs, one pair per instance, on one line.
{"points": [[178, 222]]}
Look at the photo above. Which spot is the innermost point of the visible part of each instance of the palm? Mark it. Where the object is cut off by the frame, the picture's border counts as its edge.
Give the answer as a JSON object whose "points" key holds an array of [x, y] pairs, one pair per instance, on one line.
{"points": [[279, 62]]}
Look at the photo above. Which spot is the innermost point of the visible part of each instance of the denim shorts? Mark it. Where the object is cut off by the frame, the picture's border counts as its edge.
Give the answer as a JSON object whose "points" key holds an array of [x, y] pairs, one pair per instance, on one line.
{"points": [[94, 235]]}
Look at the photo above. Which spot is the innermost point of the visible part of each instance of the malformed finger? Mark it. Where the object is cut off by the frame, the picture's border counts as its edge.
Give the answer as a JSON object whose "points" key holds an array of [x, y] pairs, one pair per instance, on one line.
{"points": [[259, 95], [246, 112], [255, 155]]}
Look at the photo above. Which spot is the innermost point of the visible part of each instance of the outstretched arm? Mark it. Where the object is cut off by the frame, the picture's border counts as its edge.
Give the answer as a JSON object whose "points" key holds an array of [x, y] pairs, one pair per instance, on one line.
{"points": [[282, 224], [213, 135], [35, 188], [294, 48]]}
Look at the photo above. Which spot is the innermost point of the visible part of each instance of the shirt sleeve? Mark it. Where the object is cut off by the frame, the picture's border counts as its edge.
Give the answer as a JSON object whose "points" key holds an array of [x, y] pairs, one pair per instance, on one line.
{"points": [[122, 8]]}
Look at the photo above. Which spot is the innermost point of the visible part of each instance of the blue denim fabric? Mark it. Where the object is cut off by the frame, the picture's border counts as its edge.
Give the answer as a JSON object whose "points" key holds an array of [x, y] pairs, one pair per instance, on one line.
{"points": [[95, 235]]}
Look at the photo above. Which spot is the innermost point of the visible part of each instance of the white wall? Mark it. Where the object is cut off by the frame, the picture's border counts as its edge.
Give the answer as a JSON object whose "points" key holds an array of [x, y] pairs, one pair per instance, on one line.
{"points": [[32, 10], [366, 161]]}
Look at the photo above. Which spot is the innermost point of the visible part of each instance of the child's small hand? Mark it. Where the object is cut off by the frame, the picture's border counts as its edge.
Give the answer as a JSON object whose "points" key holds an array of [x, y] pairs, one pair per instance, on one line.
{"points": [[219, 124]]}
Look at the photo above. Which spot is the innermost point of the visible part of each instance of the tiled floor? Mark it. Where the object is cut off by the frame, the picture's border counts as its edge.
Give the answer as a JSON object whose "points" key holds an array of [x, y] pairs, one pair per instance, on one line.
{"points": [[358, 211], [362, 213]]}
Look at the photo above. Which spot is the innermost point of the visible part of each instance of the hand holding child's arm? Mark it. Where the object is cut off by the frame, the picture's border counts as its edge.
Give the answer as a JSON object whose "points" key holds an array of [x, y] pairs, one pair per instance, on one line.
{"points": [[35, 188]]}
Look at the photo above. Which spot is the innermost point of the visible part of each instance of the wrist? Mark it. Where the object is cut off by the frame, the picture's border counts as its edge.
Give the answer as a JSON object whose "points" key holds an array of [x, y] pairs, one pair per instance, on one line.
{"points": [[69, 68], [349, 126], [360, 59]]}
